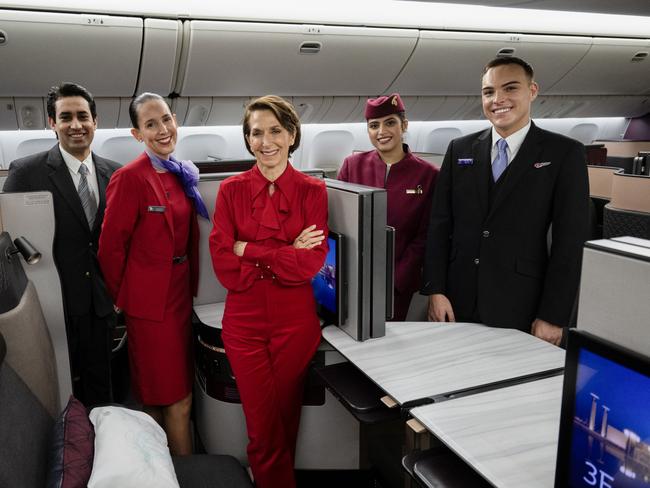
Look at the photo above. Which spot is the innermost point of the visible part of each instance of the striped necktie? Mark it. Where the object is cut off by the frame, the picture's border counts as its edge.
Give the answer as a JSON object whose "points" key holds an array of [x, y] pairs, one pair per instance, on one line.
{"points": [[88, 201], [500, 163]]}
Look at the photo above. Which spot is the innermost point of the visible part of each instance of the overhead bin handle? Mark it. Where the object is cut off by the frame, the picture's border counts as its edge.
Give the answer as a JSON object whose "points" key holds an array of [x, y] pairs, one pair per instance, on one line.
{"points": [[640, 56], [3, 37], [310, 47], [504, 52]]}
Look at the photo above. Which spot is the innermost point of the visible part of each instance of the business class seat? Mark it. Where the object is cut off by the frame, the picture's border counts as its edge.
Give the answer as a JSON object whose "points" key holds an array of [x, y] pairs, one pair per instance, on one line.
{"points": [[628, 212], [29, 402]]}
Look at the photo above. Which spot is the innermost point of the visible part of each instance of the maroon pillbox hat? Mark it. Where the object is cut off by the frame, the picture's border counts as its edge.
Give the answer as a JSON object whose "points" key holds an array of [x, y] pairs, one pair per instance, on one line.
{"points": [[383, 106]]}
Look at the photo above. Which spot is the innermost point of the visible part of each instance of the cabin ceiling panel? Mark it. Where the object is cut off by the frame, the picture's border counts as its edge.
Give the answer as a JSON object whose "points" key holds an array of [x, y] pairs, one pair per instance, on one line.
{"points": [[611, 67], [450, 63], [108, 112], [31, 113], [240, 59], [8, 119], [43, 49], [227, 110]]}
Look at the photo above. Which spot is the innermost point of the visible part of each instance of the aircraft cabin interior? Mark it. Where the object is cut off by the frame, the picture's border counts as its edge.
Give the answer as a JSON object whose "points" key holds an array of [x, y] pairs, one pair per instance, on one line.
{"points": [[386, 404]]}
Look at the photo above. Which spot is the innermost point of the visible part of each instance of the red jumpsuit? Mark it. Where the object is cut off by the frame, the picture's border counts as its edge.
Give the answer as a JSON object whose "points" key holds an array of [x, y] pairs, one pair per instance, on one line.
{"points": [[270, 327], [410, 186]]}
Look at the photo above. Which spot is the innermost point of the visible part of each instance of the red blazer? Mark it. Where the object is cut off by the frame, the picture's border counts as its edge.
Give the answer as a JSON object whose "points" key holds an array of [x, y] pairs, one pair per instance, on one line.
{"points": [[136, 244], [242, 213], [409, 186]]}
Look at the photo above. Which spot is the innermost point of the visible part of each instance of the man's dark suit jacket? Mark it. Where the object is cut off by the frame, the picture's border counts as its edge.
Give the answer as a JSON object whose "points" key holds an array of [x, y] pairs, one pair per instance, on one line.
{"points": [[75, 244], [487, 243]]}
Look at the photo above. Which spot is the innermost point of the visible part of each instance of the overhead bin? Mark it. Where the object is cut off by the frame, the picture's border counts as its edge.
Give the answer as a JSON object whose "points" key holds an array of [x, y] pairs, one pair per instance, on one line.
{"points": [[450, 63], [611, 67], [40, 49], [242, 59], [161, 50]]}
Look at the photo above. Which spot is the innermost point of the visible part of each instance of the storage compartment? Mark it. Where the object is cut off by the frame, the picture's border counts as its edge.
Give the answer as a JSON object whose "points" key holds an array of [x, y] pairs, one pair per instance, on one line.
{"points": [[43, 49], [237, 58], [611, 67], [433, 69], [161, 51]]}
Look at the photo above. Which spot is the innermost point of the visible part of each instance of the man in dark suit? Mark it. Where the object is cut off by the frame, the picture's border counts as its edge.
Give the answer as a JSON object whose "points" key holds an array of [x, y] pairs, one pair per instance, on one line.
{"points": [[77, 179], [496, 197]]}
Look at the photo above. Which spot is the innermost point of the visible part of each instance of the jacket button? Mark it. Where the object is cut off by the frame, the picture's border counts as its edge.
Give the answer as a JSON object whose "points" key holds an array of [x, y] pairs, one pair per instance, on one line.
{"points": [[476, 261], [90, 244], [87, 274], [486, 233]]}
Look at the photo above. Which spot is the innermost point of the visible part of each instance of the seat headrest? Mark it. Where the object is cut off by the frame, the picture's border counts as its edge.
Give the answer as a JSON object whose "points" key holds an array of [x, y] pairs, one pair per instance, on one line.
{"points": [[3, 349]]}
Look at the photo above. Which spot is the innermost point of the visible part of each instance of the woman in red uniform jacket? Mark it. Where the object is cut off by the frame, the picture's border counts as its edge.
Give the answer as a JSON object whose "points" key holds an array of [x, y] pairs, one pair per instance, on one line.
{"points": [[409, 182], [148, 252], [267, 244]]}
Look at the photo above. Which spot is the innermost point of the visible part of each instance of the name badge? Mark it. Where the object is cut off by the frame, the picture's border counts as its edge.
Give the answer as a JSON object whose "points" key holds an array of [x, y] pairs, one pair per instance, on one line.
{"points": [[415, 191], [156, 208]]}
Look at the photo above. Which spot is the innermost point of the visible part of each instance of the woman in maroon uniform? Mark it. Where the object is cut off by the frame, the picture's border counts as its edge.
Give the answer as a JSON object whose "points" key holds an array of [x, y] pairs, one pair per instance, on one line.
{"points": [[409, 182], [267, 244], [148, 252]]}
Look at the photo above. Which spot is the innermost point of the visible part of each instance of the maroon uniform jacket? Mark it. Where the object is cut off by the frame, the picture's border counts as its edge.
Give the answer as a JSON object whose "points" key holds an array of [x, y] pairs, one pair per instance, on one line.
{"points": [[409, 185]]}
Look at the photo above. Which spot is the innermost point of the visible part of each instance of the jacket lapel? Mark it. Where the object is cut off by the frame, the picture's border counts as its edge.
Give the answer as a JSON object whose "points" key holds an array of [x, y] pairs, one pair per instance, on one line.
{"points": [[103, 176], [522, 163], [62, 180], [481, 155]]}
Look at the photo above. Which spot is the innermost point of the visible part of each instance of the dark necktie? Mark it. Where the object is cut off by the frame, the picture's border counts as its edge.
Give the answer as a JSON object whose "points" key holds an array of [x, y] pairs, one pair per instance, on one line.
{"points": [[87, 198], [500, 163]]}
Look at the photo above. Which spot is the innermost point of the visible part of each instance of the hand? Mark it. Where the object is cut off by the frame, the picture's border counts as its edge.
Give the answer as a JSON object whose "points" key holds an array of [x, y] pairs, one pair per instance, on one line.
{"points": [[440, 309], [309, 238], [547, 331], [238, 248], [117, 309]]}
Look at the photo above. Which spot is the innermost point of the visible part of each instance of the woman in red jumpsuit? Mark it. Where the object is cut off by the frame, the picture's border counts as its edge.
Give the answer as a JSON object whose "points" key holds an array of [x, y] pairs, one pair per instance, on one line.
{"points": [[267, 244], [148, 252]]}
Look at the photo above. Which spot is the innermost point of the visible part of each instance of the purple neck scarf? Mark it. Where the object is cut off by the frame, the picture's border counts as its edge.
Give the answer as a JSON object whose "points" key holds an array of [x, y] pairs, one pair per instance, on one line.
{"points": [[188, 175]]}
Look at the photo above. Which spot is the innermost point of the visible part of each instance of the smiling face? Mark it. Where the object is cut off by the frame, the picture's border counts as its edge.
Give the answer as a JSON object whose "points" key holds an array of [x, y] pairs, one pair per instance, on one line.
{"points": [[156, 128], [269, 142], [74, 125], [385, 133], [507, 94]]}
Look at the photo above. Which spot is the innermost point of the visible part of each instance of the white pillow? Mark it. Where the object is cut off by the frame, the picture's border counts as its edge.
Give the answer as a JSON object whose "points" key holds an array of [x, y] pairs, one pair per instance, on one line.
{"points": [[130, 451]]}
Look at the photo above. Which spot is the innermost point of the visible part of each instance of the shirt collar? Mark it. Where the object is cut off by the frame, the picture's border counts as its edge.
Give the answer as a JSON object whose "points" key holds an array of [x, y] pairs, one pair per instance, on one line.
{"points": [[514, 140], [73, 163], [284, 183]]}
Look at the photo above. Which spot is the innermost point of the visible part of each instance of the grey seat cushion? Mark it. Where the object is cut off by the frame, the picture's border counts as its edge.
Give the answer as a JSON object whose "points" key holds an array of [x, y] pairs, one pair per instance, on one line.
{"points": [[210, 471], [25, 428]]}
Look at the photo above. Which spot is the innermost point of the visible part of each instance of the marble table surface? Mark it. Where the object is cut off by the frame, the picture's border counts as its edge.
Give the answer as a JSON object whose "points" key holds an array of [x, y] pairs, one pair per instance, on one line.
{"points": [[508, 435], [415, 360]]}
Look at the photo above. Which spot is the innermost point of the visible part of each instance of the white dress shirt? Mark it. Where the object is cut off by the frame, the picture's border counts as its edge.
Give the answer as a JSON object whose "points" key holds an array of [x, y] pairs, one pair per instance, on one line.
{"points": [[514, 140], [73, 165]]}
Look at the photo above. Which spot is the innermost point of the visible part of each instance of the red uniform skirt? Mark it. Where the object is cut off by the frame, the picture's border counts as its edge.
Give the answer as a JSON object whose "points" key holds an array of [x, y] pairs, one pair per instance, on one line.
{"points": [[160, 353]]}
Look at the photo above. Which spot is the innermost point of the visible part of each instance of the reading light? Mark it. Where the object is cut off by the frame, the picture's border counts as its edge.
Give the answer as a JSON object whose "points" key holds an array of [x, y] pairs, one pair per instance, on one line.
{"points": [[22, 246]]}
